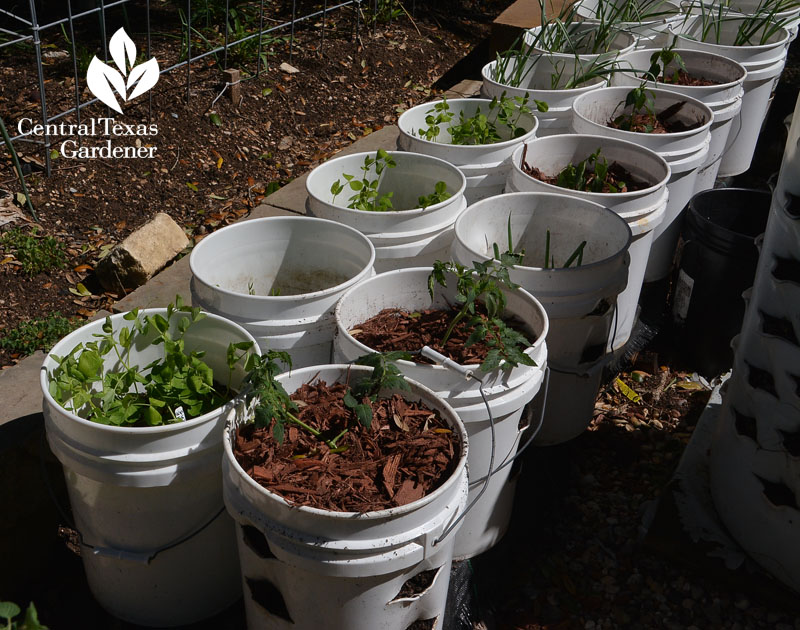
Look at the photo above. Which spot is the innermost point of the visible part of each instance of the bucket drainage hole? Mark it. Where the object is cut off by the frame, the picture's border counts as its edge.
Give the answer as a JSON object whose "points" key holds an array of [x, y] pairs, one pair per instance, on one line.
{"points": [[423, 624], [779, 494], [779, 327], [417, 585], [266, 595], [786, 270], [791, 442], [761, 379], [796, 380], [745, 425], [256, 540]]}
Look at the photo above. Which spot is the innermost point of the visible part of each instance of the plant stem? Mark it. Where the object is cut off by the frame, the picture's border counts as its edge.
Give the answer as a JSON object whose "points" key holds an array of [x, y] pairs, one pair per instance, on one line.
{"points": [[17, 165], [577, 253], [317, 434], [547, 249]]}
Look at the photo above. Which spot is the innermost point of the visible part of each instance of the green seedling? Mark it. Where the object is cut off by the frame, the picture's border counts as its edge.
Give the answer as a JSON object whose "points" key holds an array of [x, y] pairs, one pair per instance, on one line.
{"points": [[589, 175], [509, 257], [439, 195], [171, 389], [641, 102], [480, 128], [575, 257], [37, 254], [482, 285], [8, 612], [39, 333]]}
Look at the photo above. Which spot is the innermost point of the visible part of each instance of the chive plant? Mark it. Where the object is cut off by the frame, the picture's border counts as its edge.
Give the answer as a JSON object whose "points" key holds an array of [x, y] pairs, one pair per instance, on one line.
{"points": [[754, 29]]}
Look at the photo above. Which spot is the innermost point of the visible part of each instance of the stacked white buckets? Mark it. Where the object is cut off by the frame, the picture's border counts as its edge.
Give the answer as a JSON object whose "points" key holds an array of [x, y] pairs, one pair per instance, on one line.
{"points": [[304, 567], [279, 278], [579, 300], [764, 64], [159, 549], [685, 151], [724, 98], [408, 235], [643, 210], [484, 165], [506, 392]]}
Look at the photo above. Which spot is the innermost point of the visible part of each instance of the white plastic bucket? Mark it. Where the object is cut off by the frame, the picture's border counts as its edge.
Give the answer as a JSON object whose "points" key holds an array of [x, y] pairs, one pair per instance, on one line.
{"points": [[485, 166], [582, 42], [406, 237], [579, 300], [312, 261], [764, 64], [536, 84], [643, 210], [723, 98], [350, 566], [138, 490], [685, 152], [660, 18], [507, 393]]}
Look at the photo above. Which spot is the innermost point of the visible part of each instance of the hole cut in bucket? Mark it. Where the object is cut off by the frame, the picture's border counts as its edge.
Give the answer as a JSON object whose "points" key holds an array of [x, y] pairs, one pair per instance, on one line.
{"points": [[255, 539], [267, 595], [778, 327], [779, 494], [791, 442], [424, 624], [415, 586], [761, 379], [786, 270], [746, 426]]}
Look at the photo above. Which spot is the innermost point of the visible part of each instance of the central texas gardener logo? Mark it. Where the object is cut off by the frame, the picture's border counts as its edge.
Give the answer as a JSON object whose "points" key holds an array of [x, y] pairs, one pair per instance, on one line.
{"points": [[129, 82]]}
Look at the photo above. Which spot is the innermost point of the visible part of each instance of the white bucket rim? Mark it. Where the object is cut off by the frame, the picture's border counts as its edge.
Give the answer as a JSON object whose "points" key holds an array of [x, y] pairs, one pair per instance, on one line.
{"points": [[591, 16], [533, 348], [679, 135], [411, 212], [530, 33], [278, 299], [782, 34], [732, 63], [477, 206], [312, 371], [633, 147], [176, 427], [563, 93], [639, 223], [474, 148]]}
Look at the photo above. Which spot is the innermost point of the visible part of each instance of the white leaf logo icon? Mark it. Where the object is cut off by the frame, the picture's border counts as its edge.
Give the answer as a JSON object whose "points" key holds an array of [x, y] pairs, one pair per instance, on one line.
{"points": [[101, 77]]}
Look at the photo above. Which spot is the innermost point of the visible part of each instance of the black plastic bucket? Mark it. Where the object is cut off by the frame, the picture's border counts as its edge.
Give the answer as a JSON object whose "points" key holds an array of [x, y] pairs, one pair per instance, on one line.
{"points": [[718, 262]]}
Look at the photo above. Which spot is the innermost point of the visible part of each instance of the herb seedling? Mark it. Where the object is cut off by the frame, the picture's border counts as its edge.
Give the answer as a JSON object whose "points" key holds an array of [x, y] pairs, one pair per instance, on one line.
{"points": [[660, 61], [366, 195], [509, 257], [575, 257], [481, 285], [589, 175], [480, 128], [9, 610], [173, 388], [642, 115]]}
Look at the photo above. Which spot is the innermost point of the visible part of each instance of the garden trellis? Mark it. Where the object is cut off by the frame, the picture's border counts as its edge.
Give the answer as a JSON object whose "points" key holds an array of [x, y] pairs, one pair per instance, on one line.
{"points": [[35, 23]]}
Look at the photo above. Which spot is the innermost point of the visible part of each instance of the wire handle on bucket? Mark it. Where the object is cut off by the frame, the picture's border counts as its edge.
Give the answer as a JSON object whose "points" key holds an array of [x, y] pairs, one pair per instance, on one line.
{"points": [[467, 373]]}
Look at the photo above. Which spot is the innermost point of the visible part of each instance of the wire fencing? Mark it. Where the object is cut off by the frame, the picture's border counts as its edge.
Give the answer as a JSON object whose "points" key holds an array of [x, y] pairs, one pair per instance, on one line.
{"points": [[236, 33]]}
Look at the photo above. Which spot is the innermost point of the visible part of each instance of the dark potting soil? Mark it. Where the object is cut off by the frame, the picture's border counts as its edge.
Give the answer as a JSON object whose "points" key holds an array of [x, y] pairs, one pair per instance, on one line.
{"points": [[418, 584], [396, 329], [662, 122], [618, 176], [407, 453]]}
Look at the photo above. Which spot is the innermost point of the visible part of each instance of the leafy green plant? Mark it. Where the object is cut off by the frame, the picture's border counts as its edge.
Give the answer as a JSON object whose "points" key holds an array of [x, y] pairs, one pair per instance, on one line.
{"points": [[366, 195], [479, 292], [9, 610], [642, 103], [39, 333], [438, 195], [480, 128], [589, 175], [36, 254], [509, 257], [753, 29], [273, 406], [661, 60], [178, 386]]}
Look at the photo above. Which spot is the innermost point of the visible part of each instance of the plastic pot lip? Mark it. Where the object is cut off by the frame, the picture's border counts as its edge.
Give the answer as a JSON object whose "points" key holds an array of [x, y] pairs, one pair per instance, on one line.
{"points": [[702, 220], [585, 87], [416, 386], [623, 90], [782, 33], [675, 14], [540, 338], [312, 295], [530, 33], [164, 429], [477, 148], [731, 63], [538, 195], [412, 212], [600, 198]]}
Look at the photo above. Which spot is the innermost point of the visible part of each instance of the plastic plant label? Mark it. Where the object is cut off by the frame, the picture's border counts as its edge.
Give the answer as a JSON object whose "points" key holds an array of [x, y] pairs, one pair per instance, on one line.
{"points": [[180, 414], [683, 296]]}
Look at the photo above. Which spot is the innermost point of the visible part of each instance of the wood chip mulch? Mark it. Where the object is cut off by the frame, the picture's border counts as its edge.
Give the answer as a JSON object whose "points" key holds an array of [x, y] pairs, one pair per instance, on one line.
{"points": [[407, 453]]}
